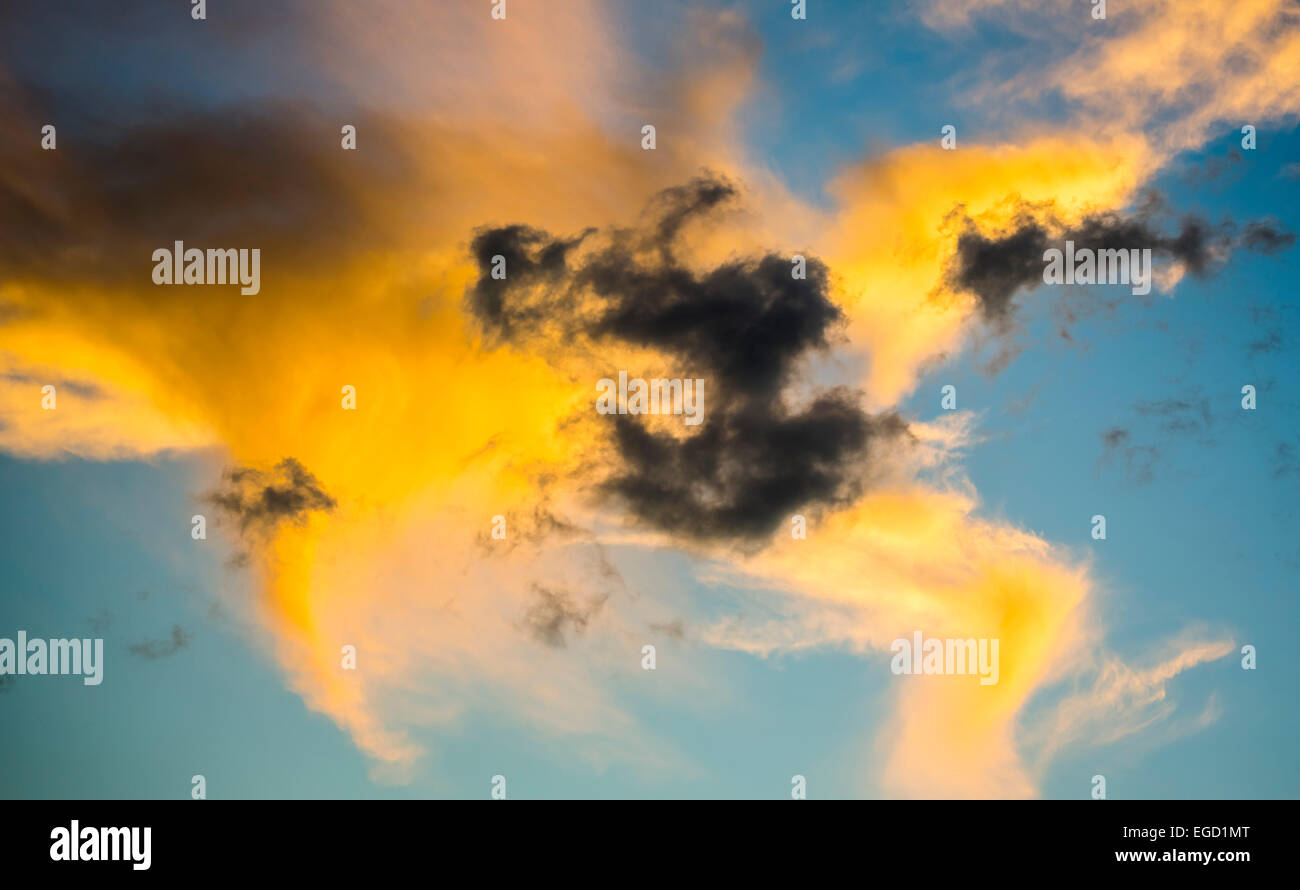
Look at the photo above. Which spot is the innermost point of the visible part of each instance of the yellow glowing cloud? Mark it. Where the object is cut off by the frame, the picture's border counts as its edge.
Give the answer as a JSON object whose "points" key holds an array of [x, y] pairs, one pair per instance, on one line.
{"points": [[890, 241], [1173, 69], [909, 559], [1177, 57]]}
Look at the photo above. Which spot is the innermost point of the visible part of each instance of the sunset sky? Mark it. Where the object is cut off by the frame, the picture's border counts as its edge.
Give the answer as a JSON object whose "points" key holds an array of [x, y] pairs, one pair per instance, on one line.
{"points": [[775, 136]]}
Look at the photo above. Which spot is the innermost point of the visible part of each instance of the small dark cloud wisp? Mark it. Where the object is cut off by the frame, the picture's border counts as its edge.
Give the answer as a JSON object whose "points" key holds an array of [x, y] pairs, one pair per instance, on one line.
{"points": [[155, 649]]}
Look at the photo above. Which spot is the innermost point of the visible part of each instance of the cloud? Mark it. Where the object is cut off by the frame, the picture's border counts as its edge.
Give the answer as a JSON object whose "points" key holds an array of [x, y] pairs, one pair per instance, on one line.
{"points": [[1214, 167], [1122, 699], [746, 473], [1113, 438], [893, 232], [259, 501], [1189, 415], [555, 612], [372, 535], [94, 418], [742, 327], [911, 558], [675, 629], [1271, 343], [1139, 460], [365, 267], [101, 622], [1175, 69], [1267, 237], [155, 649], [996, 267], [116, 191], [1286, 462]]}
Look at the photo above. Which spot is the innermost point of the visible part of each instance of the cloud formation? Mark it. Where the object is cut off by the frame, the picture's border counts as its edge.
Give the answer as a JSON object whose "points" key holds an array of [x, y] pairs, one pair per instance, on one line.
{"points": [[995, 267], [742, 326], [372, 534], [258, 501], [555, 612]]}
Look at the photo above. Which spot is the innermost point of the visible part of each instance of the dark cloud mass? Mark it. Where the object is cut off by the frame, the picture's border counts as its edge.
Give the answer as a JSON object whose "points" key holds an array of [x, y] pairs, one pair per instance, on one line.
{"points": [[125, 181], [750, 468], [995, 267], [260, 501], [743, 326]]}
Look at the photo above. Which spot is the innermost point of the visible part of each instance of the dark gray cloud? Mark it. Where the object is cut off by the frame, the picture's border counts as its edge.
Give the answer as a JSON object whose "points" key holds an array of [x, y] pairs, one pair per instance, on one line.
{"points": [[534, 260], [154, 649], [557, 612], [749, 468], [743, 326], [1266, 236], [258, 501], [125, 181], [996, 267]]}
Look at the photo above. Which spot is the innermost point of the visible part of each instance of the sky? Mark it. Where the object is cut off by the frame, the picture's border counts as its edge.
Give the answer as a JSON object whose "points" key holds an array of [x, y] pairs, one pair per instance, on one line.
{"points": [[450, 572]]}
